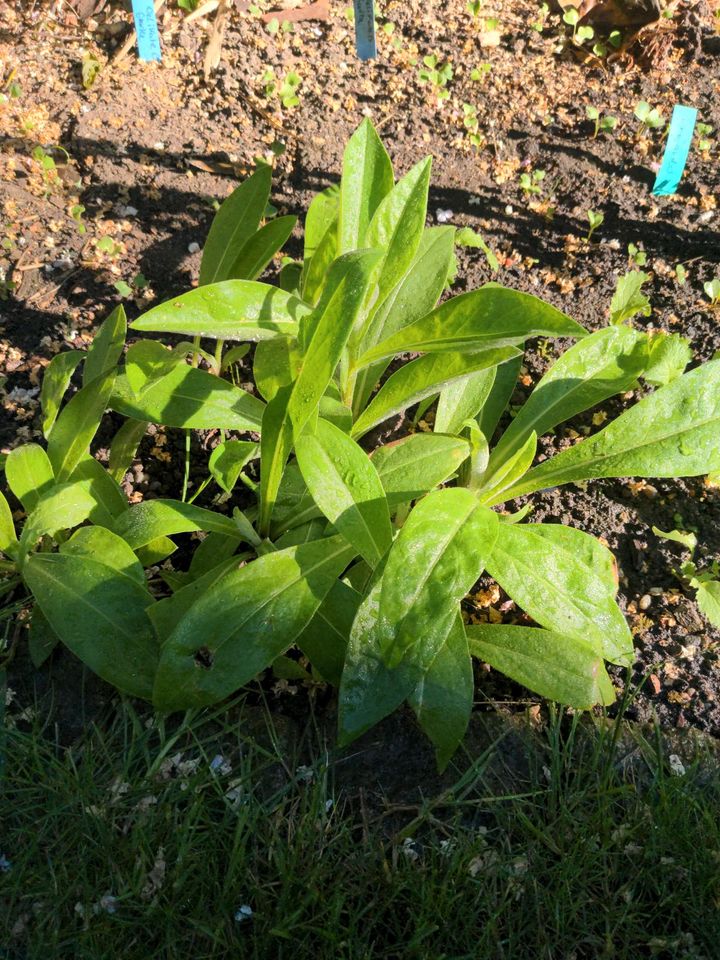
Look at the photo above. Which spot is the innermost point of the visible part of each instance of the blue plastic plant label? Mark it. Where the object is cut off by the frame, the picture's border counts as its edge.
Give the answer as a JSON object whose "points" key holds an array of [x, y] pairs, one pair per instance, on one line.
{"points": [[146, 28], [677, 148], [365, 29]]}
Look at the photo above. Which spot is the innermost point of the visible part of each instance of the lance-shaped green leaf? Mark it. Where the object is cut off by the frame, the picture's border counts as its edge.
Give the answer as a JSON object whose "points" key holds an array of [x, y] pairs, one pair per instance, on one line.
{"points": [[398, 223], [151, 519], [243, 623], [211, 551], [109, 629], [107, 347], [321, 217], [42, 639], [29, 474], [235, 222], [555, 665], [109, 497], [56, 380], [305, 533], [566, 581], [315, 271], [228, 459], [190, 398], [292, 407], [439, 553], [345, 485], [320, 242], [8, 540], [99, 543], [411, 467], [231, 310], [262, 246], [77, 424], [443, 698], [492, 316], [65, 506], [601, 365], [275, 365], [123, 447], [423, 378], [367, 177], [166, 614], [497, 400], [324, 640], [413, 297], [369, 689], [463, 400], [508, 472], [674, 432]]}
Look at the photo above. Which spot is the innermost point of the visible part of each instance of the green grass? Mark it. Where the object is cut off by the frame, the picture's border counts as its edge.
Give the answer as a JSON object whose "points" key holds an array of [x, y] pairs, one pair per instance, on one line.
{"points": [[599, 851]]}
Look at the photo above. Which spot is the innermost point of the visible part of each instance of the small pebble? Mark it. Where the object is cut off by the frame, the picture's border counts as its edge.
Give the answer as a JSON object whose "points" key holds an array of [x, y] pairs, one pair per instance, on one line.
{"points": [[443, 216], [193, 247], [656, 591], [243, 913], [645, 602], [509, 210]]}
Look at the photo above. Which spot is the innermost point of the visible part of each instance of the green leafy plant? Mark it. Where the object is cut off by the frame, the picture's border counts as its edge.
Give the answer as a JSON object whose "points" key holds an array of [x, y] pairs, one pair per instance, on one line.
{"points": [[530, 183], [580, 33], [437, 74], [649, 117], [539, 25], [705, 581], [712, 291], [702, 133], [603, 123], [472, 124], [286, 91], [478, 73], [359, 555], [680, 274], [636, 255], [595, 219]]}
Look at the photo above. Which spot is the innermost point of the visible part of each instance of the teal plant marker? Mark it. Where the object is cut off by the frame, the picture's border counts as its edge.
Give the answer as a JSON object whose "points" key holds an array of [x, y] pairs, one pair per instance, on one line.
{"points": [[365, 29], [146, 28], [676, 150]]}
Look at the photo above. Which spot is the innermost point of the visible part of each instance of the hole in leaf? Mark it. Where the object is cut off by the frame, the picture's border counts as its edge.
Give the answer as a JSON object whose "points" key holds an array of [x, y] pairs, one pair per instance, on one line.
{"points": [[204, 658]]}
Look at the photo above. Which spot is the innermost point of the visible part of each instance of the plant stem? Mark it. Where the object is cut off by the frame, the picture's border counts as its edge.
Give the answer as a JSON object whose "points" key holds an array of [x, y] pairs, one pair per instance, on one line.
{"points": [[186, 475]]}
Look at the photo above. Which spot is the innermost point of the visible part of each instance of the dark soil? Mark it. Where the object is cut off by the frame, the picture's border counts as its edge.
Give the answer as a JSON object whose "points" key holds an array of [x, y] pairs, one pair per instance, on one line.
{"points": [[148, 147]]}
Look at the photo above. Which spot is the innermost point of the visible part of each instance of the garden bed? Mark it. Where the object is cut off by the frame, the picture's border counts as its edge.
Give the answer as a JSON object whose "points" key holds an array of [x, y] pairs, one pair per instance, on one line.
{"points": [[152, 146]]}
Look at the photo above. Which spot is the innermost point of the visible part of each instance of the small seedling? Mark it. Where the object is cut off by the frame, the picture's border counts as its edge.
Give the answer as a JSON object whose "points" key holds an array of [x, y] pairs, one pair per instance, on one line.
{"points": [[76, 212], [579, 34], [90, 68], [705, 582], [286, 92], [648, 116], [530, 182], [474, 8], [437, 75], [603, 124], [539, 24], [478, 73], [471, 124], [595, 219], [712, 290], [189, 5], [703, 131], [109, 247], [636, 255], [680, 274]]}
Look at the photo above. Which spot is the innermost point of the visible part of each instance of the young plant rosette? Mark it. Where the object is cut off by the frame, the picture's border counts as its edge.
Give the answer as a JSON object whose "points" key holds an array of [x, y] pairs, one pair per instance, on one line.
{"points": [[358, 561]]}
